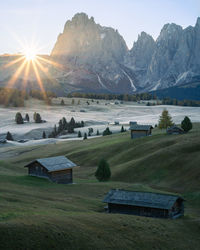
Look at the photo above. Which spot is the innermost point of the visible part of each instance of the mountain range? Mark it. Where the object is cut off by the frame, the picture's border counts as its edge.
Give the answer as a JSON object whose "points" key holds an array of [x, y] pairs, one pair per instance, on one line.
{"points": [[97, 59]]}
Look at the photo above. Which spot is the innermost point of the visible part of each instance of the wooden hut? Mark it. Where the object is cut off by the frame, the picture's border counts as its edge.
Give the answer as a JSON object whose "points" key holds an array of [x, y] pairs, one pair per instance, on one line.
{"points": [[140, 130], [174, 130], [144, 204], [57, 169]]}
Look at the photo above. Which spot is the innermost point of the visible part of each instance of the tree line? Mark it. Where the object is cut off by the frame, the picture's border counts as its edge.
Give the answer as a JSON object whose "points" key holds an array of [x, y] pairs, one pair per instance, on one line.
{"points": [[15, 98]]}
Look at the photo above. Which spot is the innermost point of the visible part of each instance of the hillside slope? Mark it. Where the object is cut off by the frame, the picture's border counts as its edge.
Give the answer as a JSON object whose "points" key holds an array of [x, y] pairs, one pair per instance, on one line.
{"points": [[37, 214]]}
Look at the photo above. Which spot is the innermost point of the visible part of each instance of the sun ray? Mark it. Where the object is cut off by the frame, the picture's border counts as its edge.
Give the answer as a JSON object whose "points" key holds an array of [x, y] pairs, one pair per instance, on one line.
{"points": [[39, 64], [26, 74], [50, 62], [14, 62], [12, 81], [39, 80]]}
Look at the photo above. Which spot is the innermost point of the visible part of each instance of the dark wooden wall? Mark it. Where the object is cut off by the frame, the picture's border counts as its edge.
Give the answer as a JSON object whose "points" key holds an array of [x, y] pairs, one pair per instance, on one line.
{"points": [[63, 176], [142, 211], [140, 133]]}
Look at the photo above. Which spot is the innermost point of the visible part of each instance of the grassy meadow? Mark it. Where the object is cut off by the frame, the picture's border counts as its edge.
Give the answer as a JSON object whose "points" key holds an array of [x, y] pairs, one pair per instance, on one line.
{"points": [[38, 214]]}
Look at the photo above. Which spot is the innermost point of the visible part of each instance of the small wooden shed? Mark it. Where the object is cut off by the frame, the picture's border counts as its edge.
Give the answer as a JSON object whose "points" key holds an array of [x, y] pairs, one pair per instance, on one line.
{"points": [[144, 204], [140, 130], [175, 130], [57, 169]]}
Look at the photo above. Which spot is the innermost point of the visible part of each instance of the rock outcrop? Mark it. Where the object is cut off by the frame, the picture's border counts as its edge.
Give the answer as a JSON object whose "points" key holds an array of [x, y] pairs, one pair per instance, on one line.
{"points": [[94, 56]]}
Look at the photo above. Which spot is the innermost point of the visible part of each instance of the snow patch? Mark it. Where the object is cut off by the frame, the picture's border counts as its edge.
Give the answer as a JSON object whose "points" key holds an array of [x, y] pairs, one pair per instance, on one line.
{"points": [[156, 86], [103, 36], [131, 81], [101, 83]]}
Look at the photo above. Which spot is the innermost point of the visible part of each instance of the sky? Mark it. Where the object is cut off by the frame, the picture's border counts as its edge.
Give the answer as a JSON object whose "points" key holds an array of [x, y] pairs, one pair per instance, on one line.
{"points": [[40, 21]]}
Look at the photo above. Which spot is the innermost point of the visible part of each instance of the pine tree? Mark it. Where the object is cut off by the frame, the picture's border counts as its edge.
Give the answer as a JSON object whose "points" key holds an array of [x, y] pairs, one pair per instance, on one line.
{"points": [[165, 120], [44, 135], [85, 136], [62, 102], [27, 118], [55, 130], [82, 124], [34, 116], [60, 126], [9, 136], [186, 124], [38, 118], [64, 122], [79, 134], [97, 132], [103, 172], [18, 118], [122, 129]]}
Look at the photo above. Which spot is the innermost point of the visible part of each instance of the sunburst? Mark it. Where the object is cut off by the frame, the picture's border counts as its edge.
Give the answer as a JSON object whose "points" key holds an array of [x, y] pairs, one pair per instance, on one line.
{"points": [[29, 59]]}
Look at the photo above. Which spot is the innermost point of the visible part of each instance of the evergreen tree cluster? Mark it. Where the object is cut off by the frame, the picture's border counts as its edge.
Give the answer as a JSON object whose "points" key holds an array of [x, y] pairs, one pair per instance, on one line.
{"points": [[107, 132], [121, 97], [63, 125]]}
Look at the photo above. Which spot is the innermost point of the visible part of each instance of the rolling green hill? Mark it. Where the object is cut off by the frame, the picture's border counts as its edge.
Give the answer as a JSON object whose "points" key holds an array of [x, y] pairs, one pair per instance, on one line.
{"points": [[38, 214]]}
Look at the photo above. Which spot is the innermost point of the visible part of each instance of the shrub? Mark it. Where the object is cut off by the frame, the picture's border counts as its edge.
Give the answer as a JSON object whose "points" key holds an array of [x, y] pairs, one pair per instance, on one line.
{"points": [[186, 124], [103, 172]]}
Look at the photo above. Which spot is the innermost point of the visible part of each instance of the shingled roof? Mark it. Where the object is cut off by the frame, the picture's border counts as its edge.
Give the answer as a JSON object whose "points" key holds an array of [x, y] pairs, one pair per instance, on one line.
{"points": [[141, 199], [140, 127], [55, 163]]}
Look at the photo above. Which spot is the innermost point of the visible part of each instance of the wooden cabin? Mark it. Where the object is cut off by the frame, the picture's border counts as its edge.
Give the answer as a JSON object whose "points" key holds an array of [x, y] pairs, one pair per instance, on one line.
{"points": [[57, 169], [174, 130], [140, 130], [144, 204]]}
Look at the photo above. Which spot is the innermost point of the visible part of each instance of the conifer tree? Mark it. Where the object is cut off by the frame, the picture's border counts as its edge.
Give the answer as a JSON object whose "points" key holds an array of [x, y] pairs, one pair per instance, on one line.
{"points": [[97, 132], [186, 124], [18, 118], [9, 136], [103, 172], [165, 120], [85, 136], [62, 102], [44, 135], [122, 129], [79, 134], [27, 118]]}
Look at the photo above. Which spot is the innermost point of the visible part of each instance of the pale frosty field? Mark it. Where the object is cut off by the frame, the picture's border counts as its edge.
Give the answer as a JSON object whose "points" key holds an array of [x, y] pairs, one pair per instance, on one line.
{"points": [[97, 116]]}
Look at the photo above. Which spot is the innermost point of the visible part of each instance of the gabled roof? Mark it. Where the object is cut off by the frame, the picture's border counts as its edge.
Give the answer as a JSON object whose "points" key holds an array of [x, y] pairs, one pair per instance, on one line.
{"points": [[175, 128], [55, 163], [141, 199], [140, 127]]}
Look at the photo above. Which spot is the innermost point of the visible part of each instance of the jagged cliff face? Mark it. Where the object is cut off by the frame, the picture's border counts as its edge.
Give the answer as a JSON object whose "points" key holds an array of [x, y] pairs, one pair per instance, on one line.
{"points": [[96, 59], [94, 56]]}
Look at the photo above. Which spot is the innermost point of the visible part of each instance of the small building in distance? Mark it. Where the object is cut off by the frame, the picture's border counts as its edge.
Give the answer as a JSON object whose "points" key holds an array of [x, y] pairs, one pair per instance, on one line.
{"points": [[144, 204], [57, 169], [140, 130], [175, 130]]}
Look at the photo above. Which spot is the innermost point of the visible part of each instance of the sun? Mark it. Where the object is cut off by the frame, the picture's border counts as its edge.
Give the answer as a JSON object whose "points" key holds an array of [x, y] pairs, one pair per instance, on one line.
{"points": [[30, 54]]}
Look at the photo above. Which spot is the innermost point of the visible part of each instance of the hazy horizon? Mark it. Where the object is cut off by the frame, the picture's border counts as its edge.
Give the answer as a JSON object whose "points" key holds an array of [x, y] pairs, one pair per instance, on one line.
{"points": [[41, 21]]}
